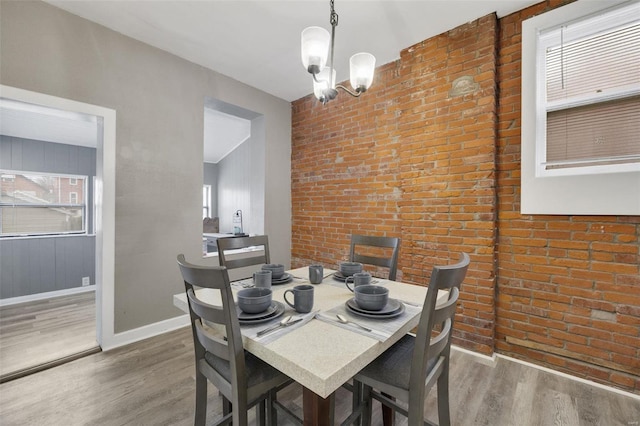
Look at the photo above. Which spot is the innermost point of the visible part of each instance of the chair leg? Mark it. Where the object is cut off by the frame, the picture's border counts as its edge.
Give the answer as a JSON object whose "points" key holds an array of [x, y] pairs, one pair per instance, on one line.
{"points": [[388, 413], [260, 413], [272, 413], [226, 406], [367, 408], [201, 399], [444, 418]]}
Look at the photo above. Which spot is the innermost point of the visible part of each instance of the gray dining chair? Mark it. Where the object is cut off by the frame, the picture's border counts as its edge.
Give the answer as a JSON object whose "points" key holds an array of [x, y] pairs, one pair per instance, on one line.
{"points": [[243, 379], [258, 257], [409, 369], [368, 258]]}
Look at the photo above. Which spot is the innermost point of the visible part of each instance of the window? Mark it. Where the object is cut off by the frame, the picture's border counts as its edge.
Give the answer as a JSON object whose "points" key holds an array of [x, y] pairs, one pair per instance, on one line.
{"points": [[588, 89], [73, 181], [206, 201], [581, 110], [41, 204]]}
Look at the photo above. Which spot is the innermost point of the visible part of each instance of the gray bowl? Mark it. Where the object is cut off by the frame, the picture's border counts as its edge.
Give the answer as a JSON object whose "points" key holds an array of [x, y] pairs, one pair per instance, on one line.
{"points": [[349, 268], [277, 270], [371, 297], [254, 300]]}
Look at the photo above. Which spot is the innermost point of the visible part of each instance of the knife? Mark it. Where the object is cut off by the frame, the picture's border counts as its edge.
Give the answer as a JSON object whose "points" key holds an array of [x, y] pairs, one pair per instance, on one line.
{"points": [[276, 326]]}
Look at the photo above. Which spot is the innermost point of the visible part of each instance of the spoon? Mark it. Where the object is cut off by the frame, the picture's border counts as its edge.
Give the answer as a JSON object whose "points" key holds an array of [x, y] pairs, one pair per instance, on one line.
{"points": [[346, 321], [282, 323]]}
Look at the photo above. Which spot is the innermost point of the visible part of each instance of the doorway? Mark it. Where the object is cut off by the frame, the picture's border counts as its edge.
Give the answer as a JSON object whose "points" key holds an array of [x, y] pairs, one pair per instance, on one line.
{"points": [[99, 226]]}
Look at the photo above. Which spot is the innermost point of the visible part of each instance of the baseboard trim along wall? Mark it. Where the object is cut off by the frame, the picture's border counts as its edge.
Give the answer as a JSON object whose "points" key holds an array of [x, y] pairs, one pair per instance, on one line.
{"points": [[144, 332], [491, 362], [47, 295], [151, 330]]}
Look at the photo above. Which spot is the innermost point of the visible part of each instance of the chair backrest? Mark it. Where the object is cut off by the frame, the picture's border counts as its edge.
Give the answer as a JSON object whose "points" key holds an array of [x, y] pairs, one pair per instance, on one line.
{"points": [[249, 258], [391, 262], [428, 347], [230, 349]]}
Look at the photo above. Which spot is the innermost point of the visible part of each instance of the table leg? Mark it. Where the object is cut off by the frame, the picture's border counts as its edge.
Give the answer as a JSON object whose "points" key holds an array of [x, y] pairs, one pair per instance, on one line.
{"points": [[318, 411], [388, 413]]}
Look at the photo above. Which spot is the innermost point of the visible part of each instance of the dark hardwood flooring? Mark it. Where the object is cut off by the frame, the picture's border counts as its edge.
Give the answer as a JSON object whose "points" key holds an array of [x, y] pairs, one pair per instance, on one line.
{"points": [[152, 383], [45, 331]]}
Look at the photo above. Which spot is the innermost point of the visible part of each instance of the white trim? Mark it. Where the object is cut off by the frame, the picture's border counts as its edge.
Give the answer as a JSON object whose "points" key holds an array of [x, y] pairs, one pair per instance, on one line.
{"points": [[571, 377], [489, 360], [492, 360], [47, 295], [104, 199], [588, 194], [146, 331]]}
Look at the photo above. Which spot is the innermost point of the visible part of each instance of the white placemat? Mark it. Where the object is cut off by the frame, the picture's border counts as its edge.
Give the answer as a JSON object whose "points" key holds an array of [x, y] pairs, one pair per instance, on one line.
{"points": [[381, 329], [251, 331]]}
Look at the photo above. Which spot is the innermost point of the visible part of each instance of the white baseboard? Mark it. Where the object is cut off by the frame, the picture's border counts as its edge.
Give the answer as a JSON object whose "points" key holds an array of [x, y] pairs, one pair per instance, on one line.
{"points": [[144, 332], [47, 295], [571, 377], [491, 361]]}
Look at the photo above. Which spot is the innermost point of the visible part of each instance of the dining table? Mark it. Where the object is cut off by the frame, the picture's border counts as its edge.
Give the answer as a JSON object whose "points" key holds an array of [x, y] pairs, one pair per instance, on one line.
{"points": [[320, 352]]}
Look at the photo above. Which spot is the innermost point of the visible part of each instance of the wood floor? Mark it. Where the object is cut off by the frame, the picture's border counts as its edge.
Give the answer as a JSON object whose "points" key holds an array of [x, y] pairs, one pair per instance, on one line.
{"points": [[43, 331], [152, 383]]}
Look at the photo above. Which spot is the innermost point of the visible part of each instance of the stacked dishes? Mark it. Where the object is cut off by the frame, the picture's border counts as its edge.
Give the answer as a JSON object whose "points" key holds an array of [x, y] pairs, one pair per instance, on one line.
{"points": [[278, 275], [255, 305], [392, 309], [347, 269]]}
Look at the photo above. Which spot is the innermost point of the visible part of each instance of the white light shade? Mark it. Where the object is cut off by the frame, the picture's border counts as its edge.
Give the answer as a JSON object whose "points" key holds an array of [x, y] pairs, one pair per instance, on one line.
{"points": [[361, 66], [315, 47], [322, 84]]}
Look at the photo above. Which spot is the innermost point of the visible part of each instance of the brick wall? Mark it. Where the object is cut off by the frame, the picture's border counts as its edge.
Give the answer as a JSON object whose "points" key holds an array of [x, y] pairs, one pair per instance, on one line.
{"points": [[431, 153], [568, 286], [414, 157]]}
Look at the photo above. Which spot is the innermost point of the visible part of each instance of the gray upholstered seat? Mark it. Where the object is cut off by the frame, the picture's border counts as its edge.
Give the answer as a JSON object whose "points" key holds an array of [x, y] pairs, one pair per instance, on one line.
{"points": [[375, 257], [241, 378], [409, 369]]}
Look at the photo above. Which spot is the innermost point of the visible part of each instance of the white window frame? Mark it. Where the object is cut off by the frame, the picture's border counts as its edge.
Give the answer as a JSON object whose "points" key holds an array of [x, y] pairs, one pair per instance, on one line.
{"points": [[618, 17], [588, 190], [83, 206], [206, 197]]}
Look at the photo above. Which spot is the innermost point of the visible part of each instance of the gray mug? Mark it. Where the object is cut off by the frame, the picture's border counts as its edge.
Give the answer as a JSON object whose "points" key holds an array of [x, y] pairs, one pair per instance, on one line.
{"points": [[315, 274], [359, 278], [262, 279], [302, 298]]}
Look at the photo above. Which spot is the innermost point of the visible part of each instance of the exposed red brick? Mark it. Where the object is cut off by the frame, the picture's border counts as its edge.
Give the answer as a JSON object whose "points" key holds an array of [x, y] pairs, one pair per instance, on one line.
{"points": [[443, 172]]}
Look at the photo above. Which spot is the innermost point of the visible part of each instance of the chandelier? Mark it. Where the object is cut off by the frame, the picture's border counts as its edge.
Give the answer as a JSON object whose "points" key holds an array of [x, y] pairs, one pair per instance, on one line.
{"points": [[317, 45]]}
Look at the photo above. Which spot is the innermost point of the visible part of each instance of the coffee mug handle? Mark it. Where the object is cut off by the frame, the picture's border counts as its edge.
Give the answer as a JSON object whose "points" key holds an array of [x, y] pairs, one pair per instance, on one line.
{"points": [[346, 281], [285, 298]]}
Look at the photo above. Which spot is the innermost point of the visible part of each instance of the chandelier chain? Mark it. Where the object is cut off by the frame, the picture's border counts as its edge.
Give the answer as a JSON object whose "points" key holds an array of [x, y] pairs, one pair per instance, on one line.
{"points": [[333, 17]]}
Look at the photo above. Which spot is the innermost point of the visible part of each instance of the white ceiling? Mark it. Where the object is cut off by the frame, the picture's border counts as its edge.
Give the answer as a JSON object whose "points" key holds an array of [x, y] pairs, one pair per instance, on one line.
{"points": [[257, 42], [36, 122], [222, 134]]}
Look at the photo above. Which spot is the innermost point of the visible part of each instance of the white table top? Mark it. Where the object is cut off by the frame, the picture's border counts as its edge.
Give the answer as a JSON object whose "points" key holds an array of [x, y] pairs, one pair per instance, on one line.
{"points": [[319, 355]]}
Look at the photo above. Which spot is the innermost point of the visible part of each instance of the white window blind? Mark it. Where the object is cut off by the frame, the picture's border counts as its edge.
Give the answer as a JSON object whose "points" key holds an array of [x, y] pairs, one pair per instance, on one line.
{"points": [[591, 73]]}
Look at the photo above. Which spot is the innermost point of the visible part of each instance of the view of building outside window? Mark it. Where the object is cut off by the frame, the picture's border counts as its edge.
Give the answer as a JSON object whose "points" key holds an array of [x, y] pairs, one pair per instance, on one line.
{"points": [[41, 204]]}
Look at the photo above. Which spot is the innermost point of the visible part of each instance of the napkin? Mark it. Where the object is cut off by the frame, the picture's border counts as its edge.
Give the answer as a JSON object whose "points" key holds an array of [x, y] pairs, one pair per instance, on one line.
{"points": [[381, 329], [251, 331]]}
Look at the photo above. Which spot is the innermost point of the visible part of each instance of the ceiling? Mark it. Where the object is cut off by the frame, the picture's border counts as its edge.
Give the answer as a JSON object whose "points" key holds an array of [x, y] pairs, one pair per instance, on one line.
{"points": [[257, 42]]}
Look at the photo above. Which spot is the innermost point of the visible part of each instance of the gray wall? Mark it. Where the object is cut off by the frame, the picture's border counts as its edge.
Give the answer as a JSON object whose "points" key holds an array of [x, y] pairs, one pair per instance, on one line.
{"points": [[241, 183], [210, 177], [158, 99], [37, 265]]}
